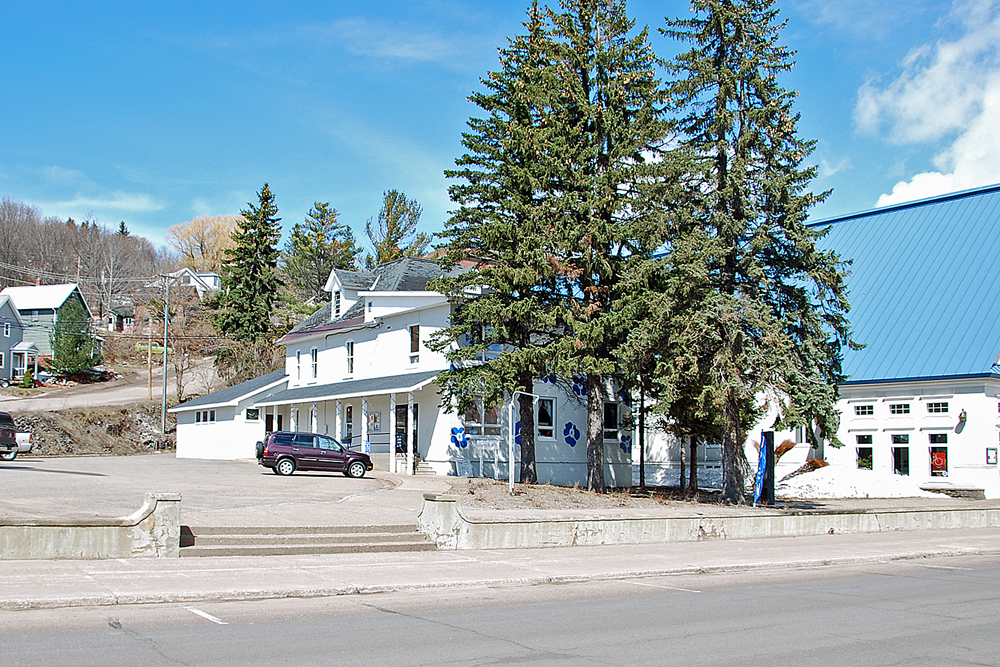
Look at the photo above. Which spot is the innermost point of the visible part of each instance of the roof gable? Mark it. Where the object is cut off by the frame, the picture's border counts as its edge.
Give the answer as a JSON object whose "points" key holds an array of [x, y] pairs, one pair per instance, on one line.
{"points": [[924, 288], [42, 297]]}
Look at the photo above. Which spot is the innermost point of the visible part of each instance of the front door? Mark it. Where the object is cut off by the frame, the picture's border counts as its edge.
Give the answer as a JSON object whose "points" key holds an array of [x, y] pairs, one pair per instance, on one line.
{"points": [[402, 417]]}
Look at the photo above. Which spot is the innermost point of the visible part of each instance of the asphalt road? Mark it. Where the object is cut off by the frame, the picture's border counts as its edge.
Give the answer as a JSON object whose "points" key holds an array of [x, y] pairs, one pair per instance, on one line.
{"points": [[930, 612]]}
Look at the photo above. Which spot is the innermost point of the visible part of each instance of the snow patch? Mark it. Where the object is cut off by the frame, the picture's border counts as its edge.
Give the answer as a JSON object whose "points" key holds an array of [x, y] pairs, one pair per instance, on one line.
{"points": [[838, 482]]}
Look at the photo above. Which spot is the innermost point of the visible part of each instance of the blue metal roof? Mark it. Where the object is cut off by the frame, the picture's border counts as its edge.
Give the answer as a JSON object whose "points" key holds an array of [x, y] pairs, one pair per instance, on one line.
{"points": [[924, 286]]}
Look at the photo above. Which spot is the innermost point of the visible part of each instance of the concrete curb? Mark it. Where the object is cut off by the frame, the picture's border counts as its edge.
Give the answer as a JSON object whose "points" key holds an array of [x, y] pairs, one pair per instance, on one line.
{"points": [[242, 595]]}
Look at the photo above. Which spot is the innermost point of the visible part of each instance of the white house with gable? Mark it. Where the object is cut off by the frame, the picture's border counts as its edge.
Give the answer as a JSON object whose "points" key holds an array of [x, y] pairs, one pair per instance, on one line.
{"points": [[359, 369]]}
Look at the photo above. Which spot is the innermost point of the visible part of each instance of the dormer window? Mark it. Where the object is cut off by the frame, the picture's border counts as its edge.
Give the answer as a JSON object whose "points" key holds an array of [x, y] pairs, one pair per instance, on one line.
{"points": [[336, 303]]}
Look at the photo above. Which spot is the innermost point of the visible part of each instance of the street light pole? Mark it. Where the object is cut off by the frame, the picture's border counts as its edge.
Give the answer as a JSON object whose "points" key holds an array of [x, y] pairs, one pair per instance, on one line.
{"points": [[166, 321]]}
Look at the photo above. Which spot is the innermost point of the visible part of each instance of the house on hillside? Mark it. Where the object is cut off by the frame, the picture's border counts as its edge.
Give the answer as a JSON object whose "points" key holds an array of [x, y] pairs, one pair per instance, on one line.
{"points": [[16, 355], [39, 307], [922, 398], [360, 369], [203, 282]]}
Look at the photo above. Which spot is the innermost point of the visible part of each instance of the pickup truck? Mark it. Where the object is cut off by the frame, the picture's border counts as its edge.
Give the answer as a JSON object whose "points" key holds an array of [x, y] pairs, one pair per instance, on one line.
{"points": [[8, 440], [25, 441]]}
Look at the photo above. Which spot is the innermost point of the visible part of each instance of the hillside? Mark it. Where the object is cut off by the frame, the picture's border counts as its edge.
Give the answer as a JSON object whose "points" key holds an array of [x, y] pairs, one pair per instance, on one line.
{"points": [[113, 430]]}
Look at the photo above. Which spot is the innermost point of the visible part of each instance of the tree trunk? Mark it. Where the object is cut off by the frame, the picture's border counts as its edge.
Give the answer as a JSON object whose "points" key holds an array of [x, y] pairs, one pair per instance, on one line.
{"points": [[734, 463], [680, 452], [526, 413], [595, 433], [642, 439], [693, 463]]}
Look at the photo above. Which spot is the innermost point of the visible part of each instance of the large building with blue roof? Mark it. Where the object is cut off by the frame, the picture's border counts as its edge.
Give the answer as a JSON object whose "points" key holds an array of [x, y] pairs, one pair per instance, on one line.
{"points": [[923, 396]]}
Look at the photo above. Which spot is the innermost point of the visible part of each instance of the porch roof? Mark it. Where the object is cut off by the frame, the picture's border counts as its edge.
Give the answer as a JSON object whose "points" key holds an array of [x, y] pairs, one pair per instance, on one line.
{"points": [[351, 389], [24, 346]]}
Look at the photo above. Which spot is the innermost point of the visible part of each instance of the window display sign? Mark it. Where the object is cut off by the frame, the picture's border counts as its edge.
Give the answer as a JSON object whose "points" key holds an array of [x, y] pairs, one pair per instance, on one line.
{"points": [[939, 461]]}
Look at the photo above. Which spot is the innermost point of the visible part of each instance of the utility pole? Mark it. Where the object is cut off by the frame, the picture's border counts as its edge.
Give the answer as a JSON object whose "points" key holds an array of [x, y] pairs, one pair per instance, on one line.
{"points": [[166, 325], [149, 356]]}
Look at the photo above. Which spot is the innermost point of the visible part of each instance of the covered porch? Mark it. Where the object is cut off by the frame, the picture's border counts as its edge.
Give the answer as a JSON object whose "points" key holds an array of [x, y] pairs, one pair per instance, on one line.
{"points": [[379, 416], [23, 356]]}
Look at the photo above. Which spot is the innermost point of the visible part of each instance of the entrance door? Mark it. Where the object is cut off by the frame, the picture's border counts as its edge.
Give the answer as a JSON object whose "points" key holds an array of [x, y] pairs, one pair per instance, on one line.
{"points": [[402, 416], [901, 460]]}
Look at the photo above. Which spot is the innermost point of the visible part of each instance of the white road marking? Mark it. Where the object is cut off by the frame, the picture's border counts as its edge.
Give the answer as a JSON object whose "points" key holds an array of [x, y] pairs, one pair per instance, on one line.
{"points": [[669, 588], [206, 616]]}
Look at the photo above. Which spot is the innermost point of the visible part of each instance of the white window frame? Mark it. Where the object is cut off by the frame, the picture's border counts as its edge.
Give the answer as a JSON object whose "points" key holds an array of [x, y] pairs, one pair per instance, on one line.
{"points": [[482, 425], [3, 360], [863, 410], [336, 303], [298, 364], [414, 354], [349, 351], [552, 413], [937, 407], [6, 329], [898, 409], [314, 361], [616, 431]]}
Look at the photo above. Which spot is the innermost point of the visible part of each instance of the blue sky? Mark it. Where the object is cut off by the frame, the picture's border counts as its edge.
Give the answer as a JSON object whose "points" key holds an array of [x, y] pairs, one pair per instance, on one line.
{"points": [[154, 113]]}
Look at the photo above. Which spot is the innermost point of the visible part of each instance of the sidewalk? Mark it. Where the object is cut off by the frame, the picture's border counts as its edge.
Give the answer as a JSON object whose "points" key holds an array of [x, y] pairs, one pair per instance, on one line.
{"points": [[53, 584]]}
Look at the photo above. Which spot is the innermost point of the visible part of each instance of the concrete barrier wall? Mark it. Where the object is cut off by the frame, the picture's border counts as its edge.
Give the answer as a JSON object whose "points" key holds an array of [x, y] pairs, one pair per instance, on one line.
{"points": [[151, 532], [441, 518]]}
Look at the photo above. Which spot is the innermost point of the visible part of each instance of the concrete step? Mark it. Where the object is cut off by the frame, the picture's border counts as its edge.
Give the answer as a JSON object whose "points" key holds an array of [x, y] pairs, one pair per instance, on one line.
{"points": [[300, 550], [298, 540]]}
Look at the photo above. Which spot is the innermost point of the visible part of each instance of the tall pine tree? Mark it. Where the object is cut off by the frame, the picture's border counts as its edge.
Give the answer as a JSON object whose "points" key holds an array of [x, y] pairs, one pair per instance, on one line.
{"points": [[393, 234], [563, 184], [505, 295], [249, 289], [316, 246], [756, 309]]}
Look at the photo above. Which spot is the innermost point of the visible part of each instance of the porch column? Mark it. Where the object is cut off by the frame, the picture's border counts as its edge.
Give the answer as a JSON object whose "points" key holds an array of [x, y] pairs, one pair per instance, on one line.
{"points": [[36, 367], [392, 432], [409, 433], [293, 417], [314, 418], [364, 425], [338, 425]]}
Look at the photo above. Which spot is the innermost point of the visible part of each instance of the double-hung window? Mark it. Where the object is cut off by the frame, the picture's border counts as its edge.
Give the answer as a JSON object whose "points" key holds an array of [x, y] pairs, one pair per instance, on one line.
{"points": [[6, 329], [546, 417], [611, 421], [298, 364], [336, 303], [349, 348], [314, 360], [414, 343]]}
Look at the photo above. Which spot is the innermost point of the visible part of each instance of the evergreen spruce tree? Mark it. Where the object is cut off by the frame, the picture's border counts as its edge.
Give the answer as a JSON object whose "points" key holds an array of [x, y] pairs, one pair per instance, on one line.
{"points": [[249, 288], [562, 195], [496, 227], [754, 308], [315, 247], [74, 349], [394, 233]]}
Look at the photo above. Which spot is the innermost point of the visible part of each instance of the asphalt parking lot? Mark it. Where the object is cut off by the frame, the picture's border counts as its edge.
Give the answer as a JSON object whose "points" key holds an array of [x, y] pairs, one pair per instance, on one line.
{"points": [[213, 493]]}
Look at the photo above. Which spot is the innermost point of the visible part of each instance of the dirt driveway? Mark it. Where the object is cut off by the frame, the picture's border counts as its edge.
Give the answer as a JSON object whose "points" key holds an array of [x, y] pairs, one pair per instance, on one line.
{"points": [[213, 493]]}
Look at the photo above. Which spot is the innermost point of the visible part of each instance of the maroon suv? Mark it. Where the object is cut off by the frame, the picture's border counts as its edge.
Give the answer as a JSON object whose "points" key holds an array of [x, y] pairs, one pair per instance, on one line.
{"points": [[284, 452]]}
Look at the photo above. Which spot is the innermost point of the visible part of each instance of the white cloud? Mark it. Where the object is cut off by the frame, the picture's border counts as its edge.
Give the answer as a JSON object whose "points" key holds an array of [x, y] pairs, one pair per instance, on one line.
{"points": [[947, 94], [118, 201]]}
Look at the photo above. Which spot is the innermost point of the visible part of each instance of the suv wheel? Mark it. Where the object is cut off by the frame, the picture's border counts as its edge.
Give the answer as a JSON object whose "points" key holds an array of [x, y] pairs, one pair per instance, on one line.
{"points": [[8, 456], [285, 467], [356, 469]]}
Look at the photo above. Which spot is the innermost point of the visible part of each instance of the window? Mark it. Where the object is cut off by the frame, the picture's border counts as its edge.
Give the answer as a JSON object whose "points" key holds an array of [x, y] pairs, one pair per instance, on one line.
{"points": [[610, 421], [2, 360], [34, 316], [937, 408], [864, 439], [480, 421], [204, 416], [6, 329], [253, 414], [546, 417], [991, 456], [899, 408], [336, 303], [298, 364], [864, 410], [314, 360], [349, 346], [326, 442], [939, 461], [415, 344], [865, 458], [900, 438], [939, 438]]}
